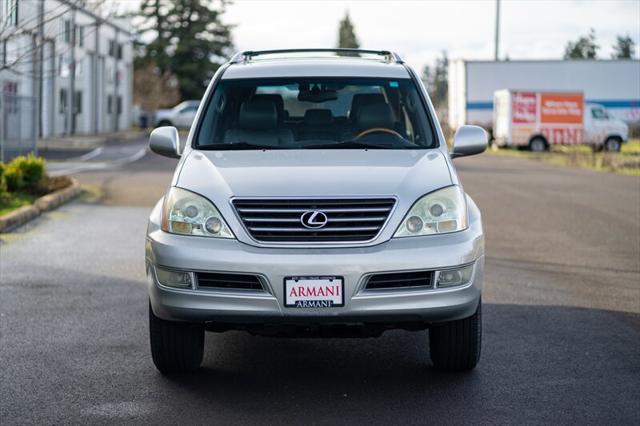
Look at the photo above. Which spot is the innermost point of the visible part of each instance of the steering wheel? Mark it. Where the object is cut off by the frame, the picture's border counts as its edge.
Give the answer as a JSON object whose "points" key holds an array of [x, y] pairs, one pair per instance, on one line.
{"points": [[378, 130]]}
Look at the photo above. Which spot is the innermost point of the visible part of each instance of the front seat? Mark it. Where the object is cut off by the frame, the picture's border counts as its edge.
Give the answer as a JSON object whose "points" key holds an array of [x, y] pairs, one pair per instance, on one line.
{"points": [[317, 124], [361, 99], [278, 101], [258, 124], [374, 116]]}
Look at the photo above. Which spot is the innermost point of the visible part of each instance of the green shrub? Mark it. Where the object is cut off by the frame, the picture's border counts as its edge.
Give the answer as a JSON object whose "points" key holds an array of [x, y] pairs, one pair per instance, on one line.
{"points": [[3, 185], [32, 169], [14, 178]]}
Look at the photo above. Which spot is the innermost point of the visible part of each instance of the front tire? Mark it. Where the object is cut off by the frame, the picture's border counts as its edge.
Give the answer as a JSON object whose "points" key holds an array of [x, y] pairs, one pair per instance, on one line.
{"points": [[176, 347], [455, 345], [612, 144]]}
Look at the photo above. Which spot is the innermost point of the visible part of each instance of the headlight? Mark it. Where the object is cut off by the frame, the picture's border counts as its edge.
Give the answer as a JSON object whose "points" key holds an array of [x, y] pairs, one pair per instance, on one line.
{"points": [[439, 212], [187, 213]]}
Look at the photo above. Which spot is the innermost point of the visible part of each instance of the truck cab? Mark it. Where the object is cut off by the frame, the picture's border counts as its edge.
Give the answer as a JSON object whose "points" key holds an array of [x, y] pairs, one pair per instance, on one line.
{"points": [[602, 130]]}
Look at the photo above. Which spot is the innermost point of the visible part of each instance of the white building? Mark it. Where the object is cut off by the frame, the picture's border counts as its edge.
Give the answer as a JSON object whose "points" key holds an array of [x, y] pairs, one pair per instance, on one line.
{"points": [[614, 84], [76, 67]]}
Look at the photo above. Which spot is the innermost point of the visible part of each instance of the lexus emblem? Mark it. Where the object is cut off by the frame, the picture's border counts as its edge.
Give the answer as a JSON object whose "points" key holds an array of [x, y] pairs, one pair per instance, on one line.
{"points": [[313, 219]]}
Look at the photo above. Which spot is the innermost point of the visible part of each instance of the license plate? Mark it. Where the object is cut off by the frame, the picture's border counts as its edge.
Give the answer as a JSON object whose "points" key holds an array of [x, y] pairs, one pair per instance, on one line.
{"points": [[313, 292]]}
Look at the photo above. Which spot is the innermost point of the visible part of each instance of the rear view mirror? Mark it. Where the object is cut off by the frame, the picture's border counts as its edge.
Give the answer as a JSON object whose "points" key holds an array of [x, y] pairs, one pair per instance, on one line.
{"points": [[165, 141], [469, 140]]}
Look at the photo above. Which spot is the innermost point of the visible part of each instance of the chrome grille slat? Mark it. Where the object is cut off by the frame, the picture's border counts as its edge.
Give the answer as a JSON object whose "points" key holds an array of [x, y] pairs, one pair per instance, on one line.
{"points": [[348, 220], [327, 210], [351, 229]]}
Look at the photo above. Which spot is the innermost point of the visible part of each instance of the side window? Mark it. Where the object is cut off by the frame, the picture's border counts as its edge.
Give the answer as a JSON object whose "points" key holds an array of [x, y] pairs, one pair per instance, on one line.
{"points": [[599, 114]]}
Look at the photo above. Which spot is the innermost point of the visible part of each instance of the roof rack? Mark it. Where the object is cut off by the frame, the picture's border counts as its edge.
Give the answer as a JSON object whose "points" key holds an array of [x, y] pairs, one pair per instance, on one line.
{"points": [[247, 55]]}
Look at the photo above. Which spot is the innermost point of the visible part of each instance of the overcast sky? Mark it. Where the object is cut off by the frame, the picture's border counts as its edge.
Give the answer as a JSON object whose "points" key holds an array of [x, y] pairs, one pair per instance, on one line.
{"points": [[419, 30]]}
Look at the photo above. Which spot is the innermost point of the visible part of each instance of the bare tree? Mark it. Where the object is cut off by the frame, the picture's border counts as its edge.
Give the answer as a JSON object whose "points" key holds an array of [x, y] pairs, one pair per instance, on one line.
{"points": [[154, 88]]}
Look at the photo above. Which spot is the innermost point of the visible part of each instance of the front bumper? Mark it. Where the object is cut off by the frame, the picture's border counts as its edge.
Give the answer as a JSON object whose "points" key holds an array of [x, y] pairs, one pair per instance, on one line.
{"points": [[434, 252]]}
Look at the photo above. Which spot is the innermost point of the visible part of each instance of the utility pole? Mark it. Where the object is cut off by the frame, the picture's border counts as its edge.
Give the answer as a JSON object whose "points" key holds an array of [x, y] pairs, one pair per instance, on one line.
{"points": [[72, 75], [497, 40], [40, 50], [116, 74]]}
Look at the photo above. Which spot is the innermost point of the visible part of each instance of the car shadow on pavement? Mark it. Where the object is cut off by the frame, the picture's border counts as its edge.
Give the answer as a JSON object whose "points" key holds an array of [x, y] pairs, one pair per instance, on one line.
{"points": [[541, 363]]}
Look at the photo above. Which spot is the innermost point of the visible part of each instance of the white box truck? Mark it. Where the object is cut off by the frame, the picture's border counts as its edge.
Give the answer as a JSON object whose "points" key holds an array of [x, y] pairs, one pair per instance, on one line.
{"points": [[615, 84], [537, 120]]}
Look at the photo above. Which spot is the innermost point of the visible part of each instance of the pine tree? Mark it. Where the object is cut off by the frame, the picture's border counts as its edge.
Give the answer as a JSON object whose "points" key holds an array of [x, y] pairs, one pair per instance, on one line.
{"points": [[154, 14], [436, 82], [624, 48], [202, 44], [190, 41], [583, 48], [346, 34]]}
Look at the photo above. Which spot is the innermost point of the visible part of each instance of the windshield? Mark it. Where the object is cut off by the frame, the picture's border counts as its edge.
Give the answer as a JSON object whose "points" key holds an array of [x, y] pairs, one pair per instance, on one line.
{"points": [[308, 113]]}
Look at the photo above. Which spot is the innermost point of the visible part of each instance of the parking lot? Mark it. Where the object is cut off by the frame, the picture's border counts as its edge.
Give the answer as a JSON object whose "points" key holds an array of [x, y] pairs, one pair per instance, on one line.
{"points": [[561, 319]]}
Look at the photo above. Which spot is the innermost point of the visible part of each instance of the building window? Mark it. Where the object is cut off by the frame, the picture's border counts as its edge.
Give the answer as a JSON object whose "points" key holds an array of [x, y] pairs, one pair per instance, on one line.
{"points": [[119, 53], [79, 36], [63, 101], [78, 103], [11, 101], [119, 106], [112, 48], [109, 104], [9, 12], [67, 31], [64, 66]]}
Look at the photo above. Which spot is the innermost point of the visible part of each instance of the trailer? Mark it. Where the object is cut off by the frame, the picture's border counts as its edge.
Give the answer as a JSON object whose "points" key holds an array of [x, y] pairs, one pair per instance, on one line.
{"points": [[537, 120], [614, 84]]}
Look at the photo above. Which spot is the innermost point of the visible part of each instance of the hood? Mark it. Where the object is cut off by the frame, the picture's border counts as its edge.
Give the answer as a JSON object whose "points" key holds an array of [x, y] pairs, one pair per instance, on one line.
{"points": [[220, 175]]}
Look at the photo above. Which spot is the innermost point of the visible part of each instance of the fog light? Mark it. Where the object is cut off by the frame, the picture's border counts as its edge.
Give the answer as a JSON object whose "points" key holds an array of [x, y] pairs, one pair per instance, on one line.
{"points": [[455, 277], [170, 278]]}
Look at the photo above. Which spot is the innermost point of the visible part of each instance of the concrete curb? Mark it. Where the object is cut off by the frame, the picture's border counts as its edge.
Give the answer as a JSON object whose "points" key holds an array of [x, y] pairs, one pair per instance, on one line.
{"points": [[43, 204]]}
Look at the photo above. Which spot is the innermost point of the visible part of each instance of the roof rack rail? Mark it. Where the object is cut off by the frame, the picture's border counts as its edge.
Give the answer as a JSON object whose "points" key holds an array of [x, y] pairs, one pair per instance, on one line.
{"points": [[247, 55]]}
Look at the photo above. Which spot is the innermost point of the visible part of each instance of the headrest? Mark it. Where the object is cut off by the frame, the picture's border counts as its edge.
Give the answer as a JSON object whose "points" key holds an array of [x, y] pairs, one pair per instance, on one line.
{"points": [[360, 99], [315, 117], [273, 97], [258, 114], [378, 114]]}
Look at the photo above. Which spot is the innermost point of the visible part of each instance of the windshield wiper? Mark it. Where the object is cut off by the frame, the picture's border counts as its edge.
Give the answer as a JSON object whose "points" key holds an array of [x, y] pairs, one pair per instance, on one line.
{"points": [[346, 145], [235, 146]]}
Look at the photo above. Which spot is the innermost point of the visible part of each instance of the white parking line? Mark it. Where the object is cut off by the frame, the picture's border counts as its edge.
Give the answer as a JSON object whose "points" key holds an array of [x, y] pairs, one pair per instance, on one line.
{"points": [[100, 165], [89, 155]]}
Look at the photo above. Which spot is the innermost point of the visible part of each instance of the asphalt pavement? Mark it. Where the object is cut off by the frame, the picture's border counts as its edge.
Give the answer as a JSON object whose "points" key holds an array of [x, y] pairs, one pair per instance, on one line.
{"points": [[561, 318]]}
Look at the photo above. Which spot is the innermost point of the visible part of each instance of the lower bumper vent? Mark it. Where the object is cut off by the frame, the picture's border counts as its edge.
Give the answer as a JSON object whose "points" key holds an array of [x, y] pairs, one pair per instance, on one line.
{"points": [[397, 280], [224, 281]]}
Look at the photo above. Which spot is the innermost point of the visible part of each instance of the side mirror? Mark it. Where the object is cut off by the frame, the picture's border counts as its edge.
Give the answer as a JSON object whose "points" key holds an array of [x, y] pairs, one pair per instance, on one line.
{"points": [[469, 140], [165, 141]]}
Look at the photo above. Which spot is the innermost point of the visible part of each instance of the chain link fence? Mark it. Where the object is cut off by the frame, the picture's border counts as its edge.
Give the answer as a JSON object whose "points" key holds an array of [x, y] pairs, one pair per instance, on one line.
{"points": [[17, 125]]}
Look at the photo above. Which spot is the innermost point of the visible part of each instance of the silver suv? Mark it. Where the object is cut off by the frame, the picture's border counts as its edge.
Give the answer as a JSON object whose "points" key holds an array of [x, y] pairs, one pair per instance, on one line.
{"points": [[315, 195]]}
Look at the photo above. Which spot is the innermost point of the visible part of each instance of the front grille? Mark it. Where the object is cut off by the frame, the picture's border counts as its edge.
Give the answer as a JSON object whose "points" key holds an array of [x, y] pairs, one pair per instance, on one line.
{"points": [[228, 281], [396, 280], [348, 220]]}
